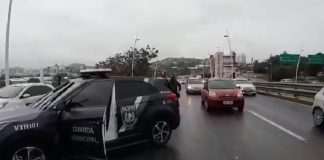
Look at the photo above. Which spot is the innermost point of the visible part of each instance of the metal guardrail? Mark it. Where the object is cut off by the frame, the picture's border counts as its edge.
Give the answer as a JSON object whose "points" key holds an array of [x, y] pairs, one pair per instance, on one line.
{"points": [[293, 91], [290, 85]]}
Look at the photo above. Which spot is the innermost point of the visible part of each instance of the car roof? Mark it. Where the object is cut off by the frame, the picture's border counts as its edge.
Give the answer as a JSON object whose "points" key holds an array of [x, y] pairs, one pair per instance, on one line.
{"points": [[30, 84], [219, 79], [240, 79], [194, 78]]}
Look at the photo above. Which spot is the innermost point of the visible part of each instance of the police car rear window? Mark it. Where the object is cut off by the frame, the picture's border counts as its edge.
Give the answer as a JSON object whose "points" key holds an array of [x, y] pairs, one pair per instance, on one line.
{"points": [[129, 89]]}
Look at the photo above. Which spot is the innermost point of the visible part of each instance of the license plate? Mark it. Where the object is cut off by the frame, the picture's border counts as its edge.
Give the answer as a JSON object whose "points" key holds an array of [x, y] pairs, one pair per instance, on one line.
{"points": [[227, 102]]}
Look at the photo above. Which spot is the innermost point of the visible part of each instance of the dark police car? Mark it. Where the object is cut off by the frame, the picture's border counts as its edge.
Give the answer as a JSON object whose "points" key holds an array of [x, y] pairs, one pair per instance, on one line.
{"points": [[89, 116]]}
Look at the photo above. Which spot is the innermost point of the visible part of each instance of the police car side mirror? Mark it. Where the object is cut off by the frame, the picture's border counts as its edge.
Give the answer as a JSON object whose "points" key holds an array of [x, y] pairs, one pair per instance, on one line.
{"points": [[25, 96], [60, 106]]}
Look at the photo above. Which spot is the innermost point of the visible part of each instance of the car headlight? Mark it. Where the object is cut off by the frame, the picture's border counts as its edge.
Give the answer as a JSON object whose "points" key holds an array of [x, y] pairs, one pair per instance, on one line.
{"points": [[189, 87], [240, 94], [212, 94]]}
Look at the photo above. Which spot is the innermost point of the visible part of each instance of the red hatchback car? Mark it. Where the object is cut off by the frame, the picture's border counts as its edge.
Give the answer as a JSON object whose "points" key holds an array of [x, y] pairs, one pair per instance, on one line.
{"points": [[219, 93]]}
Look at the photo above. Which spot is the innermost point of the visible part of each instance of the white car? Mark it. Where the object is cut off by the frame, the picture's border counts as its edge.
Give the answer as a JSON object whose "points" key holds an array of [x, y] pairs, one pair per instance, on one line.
{"points": [[287, 81], [194, 85], [23, 94], [246, 87], [318, 107]]}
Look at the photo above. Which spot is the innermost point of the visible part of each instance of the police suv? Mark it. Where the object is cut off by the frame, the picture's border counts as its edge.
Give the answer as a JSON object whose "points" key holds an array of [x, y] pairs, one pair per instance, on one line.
{"points": [[87, 117]]}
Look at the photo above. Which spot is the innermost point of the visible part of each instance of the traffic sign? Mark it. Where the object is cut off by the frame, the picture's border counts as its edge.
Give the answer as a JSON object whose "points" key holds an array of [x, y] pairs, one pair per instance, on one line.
{"points": [[316, 59], [289, 58]]}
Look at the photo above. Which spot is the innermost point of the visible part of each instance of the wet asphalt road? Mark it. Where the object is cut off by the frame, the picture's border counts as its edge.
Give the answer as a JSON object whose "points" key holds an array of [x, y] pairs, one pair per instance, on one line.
{"points": [[268, 129]]}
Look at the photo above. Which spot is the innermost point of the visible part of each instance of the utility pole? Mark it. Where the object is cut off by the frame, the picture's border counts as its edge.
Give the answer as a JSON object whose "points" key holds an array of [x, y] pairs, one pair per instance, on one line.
{"points": [[134, 50], [232, 55], [270, 69], [297, 67], [7, 45], [155, 68], [203, 69]]}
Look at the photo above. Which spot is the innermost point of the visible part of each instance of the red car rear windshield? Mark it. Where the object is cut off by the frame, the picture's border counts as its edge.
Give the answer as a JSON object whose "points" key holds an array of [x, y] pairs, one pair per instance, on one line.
{"points": [[195, 81], [221, 84]]}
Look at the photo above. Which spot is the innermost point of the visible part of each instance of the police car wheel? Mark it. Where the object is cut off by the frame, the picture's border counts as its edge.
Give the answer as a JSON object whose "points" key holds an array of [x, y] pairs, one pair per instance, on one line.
{"points": [[160, 132], [28, 151]]}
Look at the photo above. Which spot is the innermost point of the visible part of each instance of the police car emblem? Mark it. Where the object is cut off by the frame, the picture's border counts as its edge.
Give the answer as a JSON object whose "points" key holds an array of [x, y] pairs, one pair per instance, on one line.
{"points": [[129, 115]]}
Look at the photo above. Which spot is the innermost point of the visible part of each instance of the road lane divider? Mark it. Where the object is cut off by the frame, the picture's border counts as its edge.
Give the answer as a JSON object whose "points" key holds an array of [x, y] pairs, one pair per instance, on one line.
{"points": [[289, 132]]}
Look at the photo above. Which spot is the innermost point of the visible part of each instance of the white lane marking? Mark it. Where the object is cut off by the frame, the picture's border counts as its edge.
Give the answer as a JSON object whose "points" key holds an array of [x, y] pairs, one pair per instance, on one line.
{"points": [[278, 126]]}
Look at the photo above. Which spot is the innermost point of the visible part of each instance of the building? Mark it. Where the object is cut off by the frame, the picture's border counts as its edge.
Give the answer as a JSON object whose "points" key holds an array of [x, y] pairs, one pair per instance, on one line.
{"points": [[212, 65], [241, 59], [222, 65], [15, 71]]}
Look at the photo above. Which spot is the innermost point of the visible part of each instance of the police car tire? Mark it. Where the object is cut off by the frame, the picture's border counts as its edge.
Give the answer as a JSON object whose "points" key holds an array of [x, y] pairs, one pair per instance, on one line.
{"points": [[151, 130], [18, 146], [319, 124]]}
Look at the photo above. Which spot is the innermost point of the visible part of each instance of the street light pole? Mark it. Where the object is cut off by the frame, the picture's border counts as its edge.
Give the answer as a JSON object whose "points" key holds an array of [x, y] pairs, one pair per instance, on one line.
{"points": [[155, 68], [134, 50], [7, 44], [232, 56], [203, 63], [297, 67]]}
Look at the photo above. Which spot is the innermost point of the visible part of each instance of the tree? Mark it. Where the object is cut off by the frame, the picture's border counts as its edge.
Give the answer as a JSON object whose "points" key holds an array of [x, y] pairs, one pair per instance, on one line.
{"points": [[121, 63], [260, 67]]}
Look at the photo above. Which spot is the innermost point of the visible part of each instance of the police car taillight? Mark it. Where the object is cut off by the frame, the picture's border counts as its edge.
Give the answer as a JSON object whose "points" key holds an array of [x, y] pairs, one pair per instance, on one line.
{"points": [[170, 96]]}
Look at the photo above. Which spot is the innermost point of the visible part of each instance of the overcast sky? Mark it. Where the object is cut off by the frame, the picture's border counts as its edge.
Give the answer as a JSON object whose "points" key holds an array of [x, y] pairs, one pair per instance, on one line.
{"points": [[45, 32]]}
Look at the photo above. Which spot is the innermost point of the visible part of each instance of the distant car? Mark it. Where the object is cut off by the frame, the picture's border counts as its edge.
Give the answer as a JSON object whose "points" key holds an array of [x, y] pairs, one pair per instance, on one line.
{"points": [[220, 93], [194, 85], [318, 107], [246, 87], [182, 81], [287, 81], [24, 94]]}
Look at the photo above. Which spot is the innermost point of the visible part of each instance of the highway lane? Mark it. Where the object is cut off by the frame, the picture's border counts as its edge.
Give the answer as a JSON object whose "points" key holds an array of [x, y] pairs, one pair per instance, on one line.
{"points": [[267, 129]]}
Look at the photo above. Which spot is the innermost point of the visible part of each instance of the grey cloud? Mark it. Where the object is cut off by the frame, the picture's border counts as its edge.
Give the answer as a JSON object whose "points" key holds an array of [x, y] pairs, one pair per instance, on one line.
{"points": [[45, 32]]}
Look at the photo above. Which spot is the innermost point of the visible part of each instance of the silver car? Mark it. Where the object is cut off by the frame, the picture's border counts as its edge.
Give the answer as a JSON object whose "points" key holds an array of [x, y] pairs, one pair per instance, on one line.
{"points": [[194, 85], [23, 94]]}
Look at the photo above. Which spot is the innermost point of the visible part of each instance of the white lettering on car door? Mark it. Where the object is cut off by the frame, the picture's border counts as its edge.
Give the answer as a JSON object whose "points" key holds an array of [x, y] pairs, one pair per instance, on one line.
{"points": [[88, 130], [26, 126]]}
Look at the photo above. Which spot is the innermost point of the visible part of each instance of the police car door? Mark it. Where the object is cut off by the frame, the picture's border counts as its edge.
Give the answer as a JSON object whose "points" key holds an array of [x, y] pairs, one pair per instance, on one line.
{"points": [[132, 96], [82, 131]]}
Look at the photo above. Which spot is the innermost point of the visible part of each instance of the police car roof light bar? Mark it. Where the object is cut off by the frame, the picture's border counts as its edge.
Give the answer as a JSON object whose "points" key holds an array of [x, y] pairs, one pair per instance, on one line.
{"points": [[95, 73]]}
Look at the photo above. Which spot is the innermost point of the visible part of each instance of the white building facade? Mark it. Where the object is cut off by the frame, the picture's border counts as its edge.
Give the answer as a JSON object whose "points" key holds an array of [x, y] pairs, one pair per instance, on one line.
{"points": [[223, 65]]}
